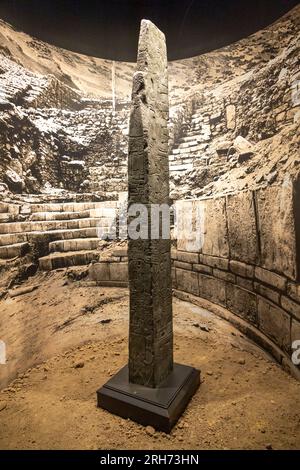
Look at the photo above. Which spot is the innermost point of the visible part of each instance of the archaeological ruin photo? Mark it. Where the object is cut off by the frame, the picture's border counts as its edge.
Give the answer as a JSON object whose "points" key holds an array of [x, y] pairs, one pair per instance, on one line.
{"points": [[149, 229]]}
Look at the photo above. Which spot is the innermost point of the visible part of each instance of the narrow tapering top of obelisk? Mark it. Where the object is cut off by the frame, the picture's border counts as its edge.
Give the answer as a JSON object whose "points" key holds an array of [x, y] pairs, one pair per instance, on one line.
{"points": [[151, 335]]}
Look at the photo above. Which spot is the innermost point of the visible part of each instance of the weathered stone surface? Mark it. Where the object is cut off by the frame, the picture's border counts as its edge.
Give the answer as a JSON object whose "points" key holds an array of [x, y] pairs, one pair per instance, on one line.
{"points": [[63, 260], [99, 272], [243, 240], [275, 323], [21, 290], [270, 278], [187, 281], [201, 268], [224, 275], [276, 206], [214, 228], [151, 333], [14, 180], [242, 269], [293, 291], [187, 257], [245, 283], [242, 302], [121, 252], [118, 271], [295, 330], [242, 145], [189, 220], [290, 306], [265, 291], [230, 116], [214, 262], [223, 147], [183, 265], [212, 289]]}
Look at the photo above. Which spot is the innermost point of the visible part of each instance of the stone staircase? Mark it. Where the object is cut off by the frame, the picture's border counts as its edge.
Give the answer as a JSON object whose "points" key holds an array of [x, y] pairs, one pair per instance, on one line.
{"points": [[196, 149], [18, 83], [58, 234], [27, 89], [191, 146]]}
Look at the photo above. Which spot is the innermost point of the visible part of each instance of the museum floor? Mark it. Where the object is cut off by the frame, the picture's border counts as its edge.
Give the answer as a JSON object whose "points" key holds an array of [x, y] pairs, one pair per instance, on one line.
{"points": [[78, 335]]}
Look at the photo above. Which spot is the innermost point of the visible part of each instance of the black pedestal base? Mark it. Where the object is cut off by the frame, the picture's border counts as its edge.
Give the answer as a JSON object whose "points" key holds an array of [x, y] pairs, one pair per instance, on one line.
{"points": [[158, 407]]}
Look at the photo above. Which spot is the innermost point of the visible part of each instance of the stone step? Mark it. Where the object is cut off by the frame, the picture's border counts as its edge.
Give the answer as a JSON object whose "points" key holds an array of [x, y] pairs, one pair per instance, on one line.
{"points": [[187, 138], [182, 167], [12, 239], [3, 207], [6, 208], [108, 273], [195, 149], [41, 216], [70, 206], [6, 217], [64, 260], [52, 235], [185, 145], [45, 226], [185, 152], [12, 251], [75, 244]]}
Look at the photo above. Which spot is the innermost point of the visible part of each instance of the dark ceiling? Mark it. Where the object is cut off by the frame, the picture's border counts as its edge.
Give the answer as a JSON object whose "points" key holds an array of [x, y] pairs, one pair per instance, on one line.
{"points": [[109, 28]]}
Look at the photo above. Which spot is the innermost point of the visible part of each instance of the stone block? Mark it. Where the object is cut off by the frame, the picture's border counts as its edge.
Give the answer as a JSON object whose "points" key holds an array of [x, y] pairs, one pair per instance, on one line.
{"points": [[182, 265], [214, 227], [45, 264], [223, 147], [243, 239], [242, 145], [214, 262], [212, 289], [268, 277], [187, 257], [230, 116], [242, 302], [4, 208], [226, 276], [241, 269], [187, 281], [277, 207], [295, 330], [245, 283], [118, 272], [189, 217], [99, 272], [265, 291], [293, 291], [291, 306], [201, 268], [275, 323], [120, 252]]}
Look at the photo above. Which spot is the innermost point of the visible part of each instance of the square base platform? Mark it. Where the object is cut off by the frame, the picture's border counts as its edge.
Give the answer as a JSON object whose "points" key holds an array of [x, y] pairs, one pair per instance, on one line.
{"points": [[158, 407]]}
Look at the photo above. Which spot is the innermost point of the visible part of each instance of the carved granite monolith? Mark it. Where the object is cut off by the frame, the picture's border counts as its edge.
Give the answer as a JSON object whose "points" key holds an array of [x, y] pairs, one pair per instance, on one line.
{"points": [[150, 332], [150, 389]]}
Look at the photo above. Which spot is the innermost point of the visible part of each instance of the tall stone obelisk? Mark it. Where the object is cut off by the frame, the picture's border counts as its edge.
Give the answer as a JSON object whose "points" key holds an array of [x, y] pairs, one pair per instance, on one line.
{"points": [[150, 331], [150, 389]]}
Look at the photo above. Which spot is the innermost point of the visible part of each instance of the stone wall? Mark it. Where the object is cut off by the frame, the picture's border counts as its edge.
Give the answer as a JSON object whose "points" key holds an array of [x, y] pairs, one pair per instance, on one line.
{"points": [[245, 260]]}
